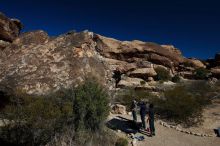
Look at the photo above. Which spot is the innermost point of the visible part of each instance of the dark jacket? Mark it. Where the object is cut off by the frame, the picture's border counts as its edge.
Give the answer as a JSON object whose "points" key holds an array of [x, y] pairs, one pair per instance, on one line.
{"points": [[143, 109], [151, 113]]}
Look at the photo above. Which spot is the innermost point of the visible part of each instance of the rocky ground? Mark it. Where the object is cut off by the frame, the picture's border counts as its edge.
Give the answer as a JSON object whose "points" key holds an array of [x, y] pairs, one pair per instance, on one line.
{"points": [[211, 118], [164, 136]]}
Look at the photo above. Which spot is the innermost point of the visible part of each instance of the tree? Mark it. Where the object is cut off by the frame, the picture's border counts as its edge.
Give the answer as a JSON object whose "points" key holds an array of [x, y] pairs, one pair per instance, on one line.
{"points": [[90, 107]]}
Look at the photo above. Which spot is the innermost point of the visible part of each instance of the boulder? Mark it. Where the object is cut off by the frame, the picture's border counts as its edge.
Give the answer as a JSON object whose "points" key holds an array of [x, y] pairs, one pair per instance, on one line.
{"points": [[135, 83], [216, 72], [9, 28], [122, 65], [170, 83], [186, 74], [144, 64], [143, 73], [118, 109], [34, 37], [124, 50], [3, 44], [131, 82], [171, 48], [161, 60], [194, 63], [150, 79]]}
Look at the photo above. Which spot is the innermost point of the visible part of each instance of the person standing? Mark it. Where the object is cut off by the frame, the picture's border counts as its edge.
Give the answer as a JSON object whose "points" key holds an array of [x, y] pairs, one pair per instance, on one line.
{"points": [[117, 76], [143, 112], [151, 120], [134, 110]]}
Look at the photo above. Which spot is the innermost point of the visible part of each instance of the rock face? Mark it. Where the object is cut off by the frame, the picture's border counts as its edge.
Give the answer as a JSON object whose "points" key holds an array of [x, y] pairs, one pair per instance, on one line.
{"points": [[129, 51], [9, 28], [38, 64]]}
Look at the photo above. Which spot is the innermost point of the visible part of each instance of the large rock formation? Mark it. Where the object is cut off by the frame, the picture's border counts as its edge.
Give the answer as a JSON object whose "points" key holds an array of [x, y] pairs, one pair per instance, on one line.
{"points": [[9, 28], [195, 63], [38, 64], [129, 51]]}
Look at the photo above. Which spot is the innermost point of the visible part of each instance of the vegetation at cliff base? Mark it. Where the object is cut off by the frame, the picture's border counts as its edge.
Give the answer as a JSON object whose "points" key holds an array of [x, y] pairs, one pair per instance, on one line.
{"points": [[162, 74], [36, 120], [185, 102]]}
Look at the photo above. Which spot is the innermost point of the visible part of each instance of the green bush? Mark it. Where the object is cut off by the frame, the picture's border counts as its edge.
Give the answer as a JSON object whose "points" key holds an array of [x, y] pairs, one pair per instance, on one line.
{"points": [[142, 82], [35, 120], [90, 107], [201, 73], [176, 79], [121, 142], [184, 103], [162, 74], [127, 96]]}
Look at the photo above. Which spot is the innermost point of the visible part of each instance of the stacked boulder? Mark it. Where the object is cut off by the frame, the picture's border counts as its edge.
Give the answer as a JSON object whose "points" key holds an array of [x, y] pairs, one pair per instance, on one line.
{"points": [[9, 30]]}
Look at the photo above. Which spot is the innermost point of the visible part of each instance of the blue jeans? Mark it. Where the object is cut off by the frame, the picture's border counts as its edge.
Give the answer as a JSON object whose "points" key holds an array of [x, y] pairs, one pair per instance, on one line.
{"points": [[151, 124], [134, 114], [143, 121]]}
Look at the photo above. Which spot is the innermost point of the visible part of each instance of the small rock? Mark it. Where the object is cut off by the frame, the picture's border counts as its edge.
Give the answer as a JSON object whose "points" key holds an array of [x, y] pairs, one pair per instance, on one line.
{"points": [[132, 135], [178, 129], [150, 79], [196, 134], [134, 142], [119, 109]]}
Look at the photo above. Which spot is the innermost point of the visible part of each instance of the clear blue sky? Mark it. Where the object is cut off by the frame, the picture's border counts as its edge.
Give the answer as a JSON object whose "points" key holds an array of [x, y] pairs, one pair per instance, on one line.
{"points": [[193, 26]]}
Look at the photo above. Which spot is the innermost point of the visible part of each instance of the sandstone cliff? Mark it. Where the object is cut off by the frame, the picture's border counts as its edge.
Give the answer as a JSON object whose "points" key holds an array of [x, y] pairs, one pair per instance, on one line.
{"points": [[39, 64]]}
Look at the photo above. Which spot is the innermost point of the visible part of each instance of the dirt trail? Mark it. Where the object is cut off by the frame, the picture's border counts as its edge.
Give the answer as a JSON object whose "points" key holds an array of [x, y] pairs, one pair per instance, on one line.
{"points": [[165, 136]]}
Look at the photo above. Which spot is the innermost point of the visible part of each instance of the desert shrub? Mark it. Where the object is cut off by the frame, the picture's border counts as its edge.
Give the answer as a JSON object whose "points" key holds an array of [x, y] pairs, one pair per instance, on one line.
{"points": [[162, 74], [33, 120], [142, 82], [90, 106], [179, 105], [99, 138], [184, 103], [176, 79], [121, 142], [201, 73], [126, 97], [187, 64]]}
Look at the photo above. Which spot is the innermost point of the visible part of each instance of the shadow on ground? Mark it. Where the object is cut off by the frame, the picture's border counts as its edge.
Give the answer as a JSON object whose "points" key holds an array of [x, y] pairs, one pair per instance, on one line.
{"points": [[125, 125]]}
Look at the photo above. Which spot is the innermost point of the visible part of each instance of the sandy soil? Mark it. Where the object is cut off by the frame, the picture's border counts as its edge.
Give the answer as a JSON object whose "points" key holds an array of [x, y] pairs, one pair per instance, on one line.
{"points": [[164, 136]]}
